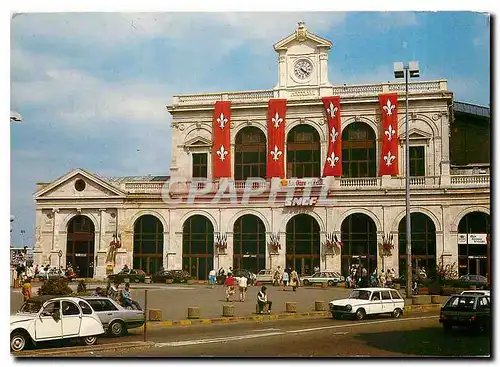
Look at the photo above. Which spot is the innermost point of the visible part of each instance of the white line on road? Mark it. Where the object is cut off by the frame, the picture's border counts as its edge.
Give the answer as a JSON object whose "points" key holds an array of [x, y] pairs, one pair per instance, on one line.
{"points": [[270, 329], [184, 343]]}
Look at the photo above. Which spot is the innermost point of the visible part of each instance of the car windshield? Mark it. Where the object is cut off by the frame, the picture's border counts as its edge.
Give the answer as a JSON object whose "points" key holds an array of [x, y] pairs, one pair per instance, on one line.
{"points": [[359, 294], [30, 307]]}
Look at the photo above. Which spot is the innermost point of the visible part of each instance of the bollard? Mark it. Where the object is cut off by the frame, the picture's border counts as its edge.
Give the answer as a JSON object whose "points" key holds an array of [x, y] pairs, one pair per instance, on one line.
{"points": [[194, 312], [155, 315], [227, 310], [291, 307], [169, 281], [320, 306]]}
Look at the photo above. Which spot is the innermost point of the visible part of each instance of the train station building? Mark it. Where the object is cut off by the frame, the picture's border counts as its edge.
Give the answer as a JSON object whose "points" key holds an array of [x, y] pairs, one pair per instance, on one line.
{"points": [[308, 173]]}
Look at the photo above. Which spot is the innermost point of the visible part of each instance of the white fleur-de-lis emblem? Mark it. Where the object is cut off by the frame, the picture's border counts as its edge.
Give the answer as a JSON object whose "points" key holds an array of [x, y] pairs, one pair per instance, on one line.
{"points": [[277, 120], [332, 159], [332, 110], [389, 107], [222, 121], [222, 153], [390, 132], [276, 153], [334, 134], [389, 158]]}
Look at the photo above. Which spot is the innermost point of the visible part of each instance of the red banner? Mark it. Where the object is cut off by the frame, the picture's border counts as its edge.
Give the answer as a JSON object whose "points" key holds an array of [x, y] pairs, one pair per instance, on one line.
{"points": [[221, 151], [333, 163], [276, 112], [389, 154]]}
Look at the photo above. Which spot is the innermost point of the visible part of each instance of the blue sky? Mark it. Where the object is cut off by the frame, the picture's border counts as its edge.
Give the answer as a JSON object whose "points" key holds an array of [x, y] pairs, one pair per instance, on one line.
{"points": [[92, 87]]}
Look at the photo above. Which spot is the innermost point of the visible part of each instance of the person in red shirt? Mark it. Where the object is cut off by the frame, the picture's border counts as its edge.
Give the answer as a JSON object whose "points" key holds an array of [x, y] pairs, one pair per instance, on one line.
{"points": [[230, 283]]}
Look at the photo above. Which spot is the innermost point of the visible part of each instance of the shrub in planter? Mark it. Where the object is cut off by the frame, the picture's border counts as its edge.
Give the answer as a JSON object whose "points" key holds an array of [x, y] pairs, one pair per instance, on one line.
{"points": [[434, 288], [82, 287], [55, 287]]}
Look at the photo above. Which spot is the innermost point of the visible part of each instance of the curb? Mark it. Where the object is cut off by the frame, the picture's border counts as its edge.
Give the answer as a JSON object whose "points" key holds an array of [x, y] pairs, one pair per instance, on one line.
{"points": [[90, 349], [262, 318]]}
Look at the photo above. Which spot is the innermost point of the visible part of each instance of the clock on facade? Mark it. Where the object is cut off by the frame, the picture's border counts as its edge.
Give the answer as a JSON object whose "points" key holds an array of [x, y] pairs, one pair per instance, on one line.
{"points": [[303, 68]]}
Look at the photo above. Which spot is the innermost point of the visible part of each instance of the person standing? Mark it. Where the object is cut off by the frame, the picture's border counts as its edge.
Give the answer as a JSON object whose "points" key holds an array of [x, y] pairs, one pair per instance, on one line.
{"points": [[262, 300], [242, 285], [230, 283], [285, 280], [27, 289], [294, 280], [211, 278]]}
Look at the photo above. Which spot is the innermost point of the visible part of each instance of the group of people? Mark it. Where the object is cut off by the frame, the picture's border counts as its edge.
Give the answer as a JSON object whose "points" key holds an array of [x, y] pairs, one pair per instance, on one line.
{"points": [[287, 277], [122, 296], [231, 283]]}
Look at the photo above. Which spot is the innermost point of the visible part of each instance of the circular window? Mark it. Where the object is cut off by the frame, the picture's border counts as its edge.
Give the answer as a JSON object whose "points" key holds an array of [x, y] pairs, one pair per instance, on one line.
{"points": [[80, 185]]}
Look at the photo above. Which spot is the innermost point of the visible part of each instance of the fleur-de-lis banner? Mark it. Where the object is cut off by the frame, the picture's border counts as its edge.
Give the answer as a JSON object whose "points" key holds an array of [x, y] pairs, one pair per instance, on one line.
{"points": [[276, 112], [221, 151], [389, 154], [333, 163]]}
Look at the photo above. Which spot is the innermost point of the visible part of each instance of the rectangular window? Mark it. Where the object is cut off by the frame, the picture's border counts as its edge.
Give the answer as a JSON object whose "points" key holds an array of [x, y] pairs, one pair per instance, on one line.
{"points": [[417, 161], [200, 165]]}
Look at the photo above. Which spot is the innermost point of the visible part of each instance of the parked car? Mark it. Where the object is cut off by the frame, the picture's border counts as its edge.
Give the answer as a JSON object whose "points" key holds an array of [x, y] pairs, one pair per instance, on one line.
{"points": [[368, 301], [46, 318], [128, 276], [477, 292], [477, 280], [178, 276], [115, 319], [251, 277], [466, 310], [329, 277], [264, 276]]}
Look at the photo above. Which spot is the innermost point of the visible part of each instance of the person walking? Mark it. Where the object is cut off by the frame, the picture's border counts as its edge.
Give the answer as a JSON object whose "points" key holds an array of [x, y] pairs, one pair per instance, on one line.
{"points": [[211, 278], [262, 300], [230, 283], [27, 289], [242, 285], [294, 280], [286, 278]]}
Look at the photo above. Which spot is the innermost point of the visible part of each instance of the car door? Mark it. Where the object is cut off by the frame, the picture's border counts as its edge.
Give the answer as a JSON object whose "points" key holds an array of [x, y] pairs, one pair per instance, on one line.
{"points": [[387, 302], [484, 310], [48, 324], [375, 305], [71, 319], [397, 300]]}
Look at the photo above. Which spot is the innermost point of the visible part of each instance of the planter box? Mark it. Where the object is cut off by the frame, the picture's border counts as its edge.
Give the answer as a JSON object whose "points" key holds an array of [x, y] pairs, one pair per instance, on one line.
{"points": [[421, 300], [423, 291], [169, 281]]}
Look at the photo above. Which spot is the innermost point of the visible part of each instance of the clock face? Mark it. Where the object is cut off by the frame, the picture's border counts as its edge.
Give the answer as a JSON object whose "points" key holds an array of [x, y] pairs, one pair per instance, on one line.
{"points": [[303, 68]]}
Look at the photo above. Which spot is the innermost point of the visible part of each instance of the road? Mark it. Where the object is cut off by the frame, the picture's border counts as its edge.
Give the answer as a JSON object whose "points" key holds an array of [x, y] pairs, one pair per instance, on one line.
{"points": [[414, 335]]}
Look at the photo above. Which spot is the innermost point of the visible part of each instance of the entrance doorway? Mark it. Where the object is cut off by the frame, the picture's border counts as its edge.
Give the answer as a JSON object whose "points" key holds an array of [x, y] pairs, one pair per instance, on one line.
{"points": [[473, 255], [148, 244], [80, 246], [198, 246], [249, 244], [302, 244]]}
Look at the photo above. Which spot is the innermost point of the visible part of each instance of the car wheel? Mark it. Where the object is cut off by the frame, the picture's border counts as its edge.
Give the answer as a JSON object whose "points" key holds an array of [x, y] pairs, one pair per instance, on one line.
{"points": [[396, 313], [18, 341], [360, 314], [306, 282], [89, 340], [331, 283], [117, 328]]}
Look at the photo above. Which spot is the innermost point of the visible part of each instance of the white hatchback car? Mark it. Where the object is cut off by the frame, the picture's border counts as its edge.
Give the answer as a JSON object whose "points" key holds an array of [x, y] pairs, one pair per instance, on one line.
{"points": [[368, 301], [47, 318]]}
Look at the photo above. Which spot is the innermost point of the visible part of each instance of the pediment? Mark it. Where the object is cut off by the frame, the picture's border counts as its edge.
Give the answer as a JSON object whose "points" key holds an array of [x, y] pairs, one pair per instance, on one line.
{"points": [[416, 134], [66, 187], [198, 142], [302, 35]]}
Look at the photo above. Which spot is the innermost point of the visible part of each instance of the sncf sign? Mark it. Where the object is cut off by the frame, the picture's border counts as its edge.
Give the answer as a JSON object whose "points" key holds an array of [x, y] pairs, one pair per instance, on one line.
{"points": [[301, 201]]}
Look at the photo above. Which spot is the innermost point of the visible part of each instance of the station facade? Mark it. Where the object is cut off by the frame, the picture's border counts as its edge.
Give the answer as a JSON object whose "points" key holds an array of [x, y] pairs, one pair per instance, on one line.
{"points": [[302, 175]]}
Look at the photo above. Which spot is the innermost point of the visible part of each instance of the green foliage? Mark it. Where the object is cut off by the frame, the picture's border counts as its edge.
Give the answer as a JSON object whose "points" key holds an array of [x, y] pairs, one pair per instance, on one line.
{"points": [[55, 287], [82, 287]]}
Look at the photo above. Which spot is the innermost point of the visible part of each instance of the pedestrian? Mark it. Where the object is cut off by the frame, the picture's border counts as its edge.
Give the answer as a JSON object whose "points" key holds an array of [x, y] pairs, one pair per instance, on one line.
{"points": [[388, 278], [262, 300], [316, 269], [97, 292], [113, 291], [211, 278], [294, 280], [382, 280], [242, 285], [277, 277], [27, 289], [126, 300], [286, 278], [229, 283]]}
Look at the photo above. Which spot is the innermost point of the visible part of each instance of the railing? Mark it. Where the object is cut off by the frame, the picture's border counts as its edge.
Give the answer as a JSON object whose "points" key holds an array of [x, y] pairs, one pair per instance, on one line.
{"points": [[360, 182], [470, 180], [417, 181], [146, 187], [342, 91]]}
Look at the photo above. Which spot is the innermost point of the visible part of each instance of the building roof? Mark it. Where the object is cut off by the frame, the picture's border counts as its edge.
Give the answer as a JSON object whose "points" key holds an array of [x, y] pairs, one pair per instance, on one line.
{"points": [[137, 178], [471, 109]]}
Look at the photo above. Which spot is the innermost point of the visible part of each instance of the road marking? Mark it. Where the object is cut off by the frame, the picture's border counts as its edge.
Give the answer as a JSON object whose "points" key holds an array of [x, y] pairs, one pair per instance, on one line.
{"points": [[270, 329], [184, 343]]}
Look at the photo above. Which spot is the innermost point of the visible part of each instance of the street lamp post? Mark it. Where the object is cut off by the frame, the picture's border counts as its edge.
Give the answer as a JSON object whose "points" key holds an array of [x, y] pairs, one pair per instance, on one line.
{"points": [[411, 70]]}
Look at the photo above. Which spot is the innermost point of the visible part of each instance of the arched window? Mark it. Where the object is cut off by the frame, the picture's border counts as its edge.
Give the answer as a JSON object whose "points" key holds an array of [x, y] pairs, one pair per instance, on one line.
{"points": [[250, 154], [473, 256], [303, 152], [302, 243], [359, 236], [148, 244], [249, 241], [198, 246], [80, 246], [423, 244], [358, 151]]}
